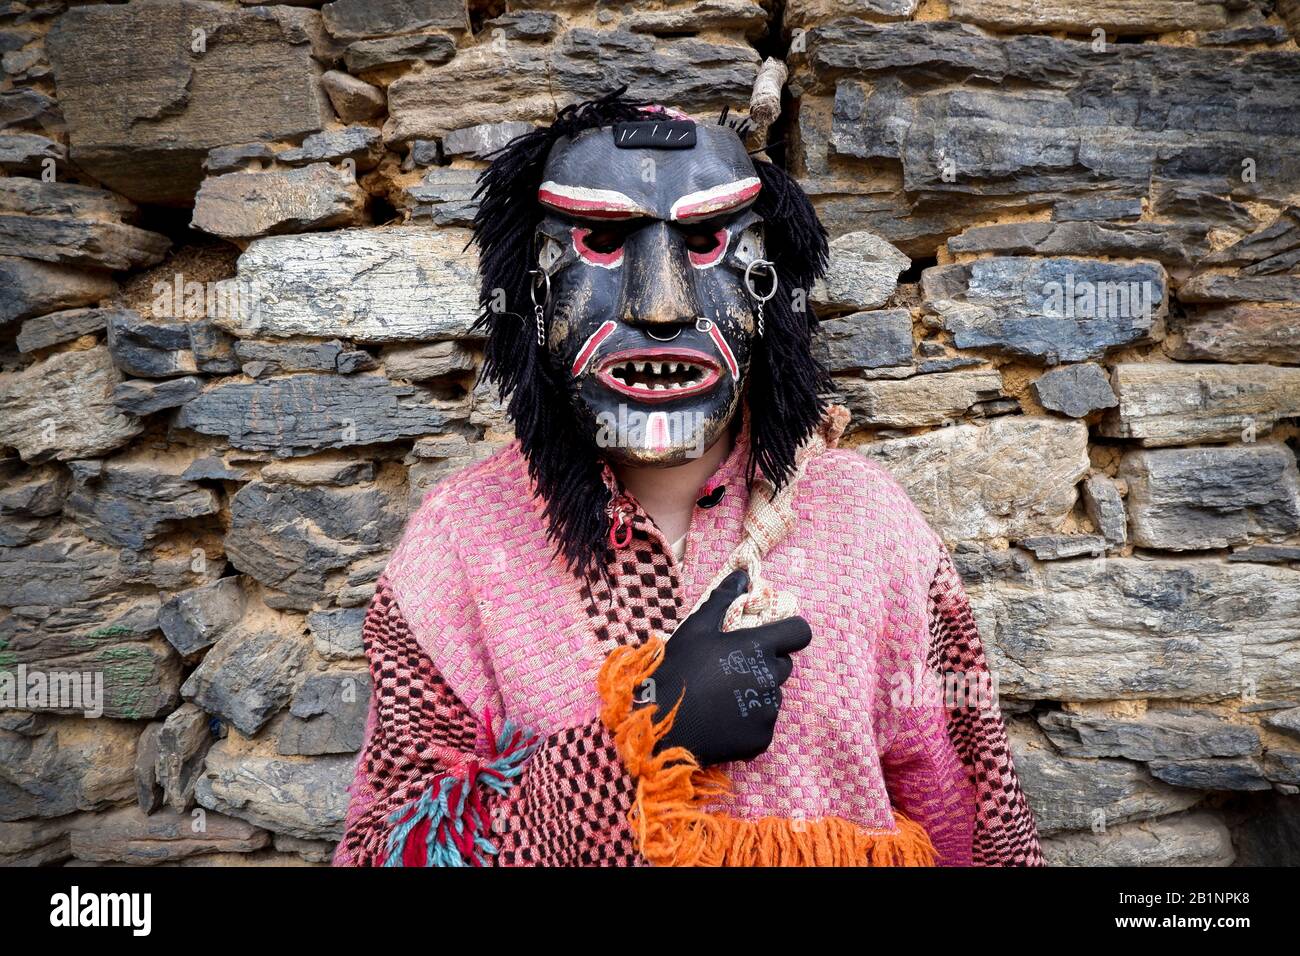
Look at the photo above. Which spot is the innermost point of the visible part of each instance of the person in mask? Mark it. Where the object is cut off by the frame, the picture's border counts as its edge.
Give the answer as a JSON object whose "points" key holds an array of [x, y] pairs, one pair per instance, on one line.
{"points": [[671, 623]]}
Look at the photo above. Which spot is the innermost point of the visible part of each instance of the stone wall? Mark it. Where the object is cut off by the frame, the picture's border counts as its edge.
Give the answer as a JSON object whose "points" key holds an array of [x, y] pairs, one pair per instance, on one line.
{"points": [[235, 344]]}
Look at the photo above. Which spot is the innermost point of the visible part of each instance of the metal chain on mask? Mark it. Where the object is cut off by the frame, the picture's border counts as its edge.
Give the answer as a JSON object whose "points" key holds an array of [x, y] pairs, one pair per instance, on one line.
{"points": [[542, 279], [757, 301]]}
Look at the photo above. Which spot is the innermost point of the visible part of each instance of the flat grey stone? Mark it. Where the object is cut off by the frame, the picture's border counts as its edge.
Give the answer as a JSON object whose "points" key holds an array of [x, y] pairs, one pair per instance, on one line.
{"points": [[183, 743], [59, 327], [144, 397], [1105, 507], [1157, 735], [195, 619], [147, 347], [368, 56], [134, 502], [301, 797], [1075, 390], [294, 539], [337, 633], [247, 677], [1132, 629], [367, 285], [865, 340], [1054, 547], [1187, 498], [357, 19], [328, 715], [305, 413], [1212, 774], [144, 125], [33, 288], [1049, 309]]}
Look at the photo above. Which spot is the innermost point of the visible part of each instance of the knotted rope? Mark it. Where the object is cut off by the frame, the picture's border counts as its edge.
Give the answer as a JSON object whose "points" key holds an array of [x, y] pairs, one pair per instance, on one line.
{"points": [[769, 519]]}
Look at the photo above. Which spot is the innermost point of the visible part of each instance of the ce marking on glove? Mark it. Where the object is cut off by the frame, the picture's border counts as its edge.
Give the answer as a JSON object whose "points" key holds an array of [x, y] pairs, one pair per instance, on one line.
{"points": [[751, 699]]}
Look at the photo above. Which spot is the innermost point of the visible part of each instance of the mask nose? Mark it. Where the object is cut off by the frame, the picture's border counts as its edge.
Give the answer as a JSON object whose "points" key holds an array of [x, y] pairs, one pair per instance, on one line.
{"points": [[659, 289]]}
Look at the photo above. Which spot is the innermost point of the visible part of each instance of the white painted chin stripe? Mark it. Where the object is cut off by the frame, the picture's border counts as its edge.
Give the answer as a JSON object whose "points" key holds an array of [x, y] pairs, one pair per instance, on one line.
{"points": [[593, 203], [657, 436], [710, 202]]}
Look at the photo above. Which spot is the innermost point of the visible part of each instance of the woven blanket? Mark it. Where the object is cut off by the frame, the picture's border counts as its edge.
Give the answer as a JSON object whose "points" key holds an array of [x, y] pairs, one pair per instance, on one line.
{"points": [[488, 741]]}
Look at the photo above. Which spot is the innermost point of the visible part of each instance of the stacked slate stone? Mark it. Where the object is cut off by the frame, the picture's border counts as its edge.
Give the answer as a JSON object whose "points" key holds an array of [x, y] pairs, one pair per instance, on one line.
{"points": [[236, 349]]}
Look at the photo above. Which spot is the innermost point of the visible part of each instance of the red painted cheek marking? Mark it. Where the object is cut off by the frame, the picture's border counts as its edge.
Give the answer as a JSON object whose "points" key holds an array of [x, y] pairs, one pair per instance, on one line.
{"points": [[703, 260], [716, 334], [589, 347], [607, 260]]}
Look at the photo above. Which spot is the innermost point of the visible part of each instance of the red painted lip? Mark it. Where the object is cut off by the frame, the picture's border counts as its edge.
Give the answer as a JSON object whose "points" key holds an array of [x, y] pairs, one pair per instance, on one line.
{"points": [[712, 372]]}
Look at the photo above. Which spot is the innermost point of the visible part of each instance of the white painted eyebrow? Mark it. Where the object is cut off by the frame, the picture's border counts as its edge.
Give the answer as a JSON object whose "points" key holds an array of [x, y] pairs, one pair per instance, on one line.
{"points": [[716, 199], [591, 203]]}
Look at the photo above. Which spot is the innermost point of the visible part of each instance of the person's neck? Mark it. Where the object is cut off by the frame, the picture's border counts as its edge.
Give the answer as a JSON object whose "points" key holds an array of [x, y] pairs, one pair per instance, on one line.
{"points": [[668, 495]]}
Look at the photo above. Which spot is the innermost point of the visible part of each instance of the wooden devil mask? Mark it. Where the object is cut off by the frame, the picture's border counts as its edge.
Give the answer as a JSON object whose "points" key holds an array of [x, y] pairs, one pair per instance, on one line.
{"points": [[650, 272], [632, 230]]}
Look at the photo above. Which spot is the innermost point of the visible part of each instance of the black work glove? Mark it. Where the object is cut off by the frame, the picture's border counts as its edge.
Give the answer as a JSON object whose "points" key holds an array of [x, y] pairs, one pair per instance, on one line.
{"points": [[732, 679]]}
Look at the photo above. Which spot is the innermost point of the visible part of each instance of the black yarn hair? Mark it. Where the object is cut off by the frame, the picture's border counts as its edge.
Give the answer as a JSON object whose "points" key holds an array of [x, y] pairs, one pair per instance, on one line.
{"points": [[785, 387]]}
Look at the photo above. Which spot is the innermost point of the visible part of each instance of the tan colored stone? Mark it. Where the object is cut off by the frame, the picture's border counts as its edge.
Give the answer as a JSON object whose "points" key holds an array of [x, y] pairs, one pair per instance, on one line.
{"points": [[921, 400], [245, 205], [1115, 16], [1239, 332], [63, 408], [1010, 478], [1166, 403]]}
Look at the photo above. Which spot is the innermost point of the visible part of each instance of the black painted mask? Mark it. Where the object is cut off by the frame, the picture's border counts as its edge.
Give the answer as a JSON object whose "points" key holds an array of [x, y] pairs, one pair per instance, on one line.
{"points": [[646, 238]]}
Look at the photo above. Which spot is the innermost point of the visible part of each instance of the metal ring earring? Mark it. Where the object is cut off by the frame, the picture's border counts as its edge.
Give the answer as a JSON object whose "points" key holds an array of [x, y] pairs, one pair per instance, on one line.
{"points": [[758, 301]]}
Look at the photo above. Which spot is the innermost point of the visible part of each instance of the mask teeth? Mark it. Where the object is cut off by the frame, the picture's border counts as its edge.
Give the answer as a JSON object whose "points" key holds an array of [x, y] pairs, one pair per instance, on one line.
{"points": [[625, 370]]}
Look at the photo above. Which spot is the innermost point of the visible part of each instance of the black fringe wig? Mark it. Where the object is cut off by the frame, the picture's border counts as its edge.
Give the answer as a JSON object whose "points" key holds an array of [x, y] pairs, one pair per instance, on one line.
{"points": [[785, 387]]}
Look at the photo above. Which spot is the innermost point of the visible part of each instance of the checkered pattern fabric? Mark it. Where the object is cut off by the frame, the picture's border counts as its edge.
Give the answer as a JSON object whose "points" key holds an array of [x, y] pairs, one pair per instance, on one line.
{"points": [[497, 617], [569, 808], [643, 598], [1005, 834]]}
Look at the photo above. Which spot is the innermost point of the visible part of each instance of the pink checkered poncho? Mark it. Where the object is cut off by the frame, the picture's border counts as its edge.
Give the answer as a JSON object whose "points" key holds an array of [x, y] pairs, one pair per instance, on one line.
{"points": [[485, 742]]}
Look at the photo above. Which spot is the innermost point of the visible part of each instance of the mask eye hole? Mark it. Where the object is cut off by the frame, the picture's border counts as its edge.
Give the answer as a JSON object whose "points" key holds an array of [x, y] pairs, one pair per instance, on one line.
{"points": [[599, 245], [702, 239], [605, 240]]}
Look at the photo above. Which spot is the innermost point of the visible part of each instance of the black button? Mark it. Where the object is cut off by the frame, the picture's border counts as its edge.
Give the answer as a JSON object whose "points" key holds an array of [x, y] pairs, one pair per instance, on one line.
{"points": [[712, 498]]}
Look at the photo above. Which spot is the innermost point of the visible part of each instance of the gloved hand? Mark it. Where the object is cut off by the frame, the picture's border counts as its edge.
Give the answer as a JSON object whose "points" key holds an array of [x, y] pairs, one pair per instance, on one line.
{"points": [[732, 679]]}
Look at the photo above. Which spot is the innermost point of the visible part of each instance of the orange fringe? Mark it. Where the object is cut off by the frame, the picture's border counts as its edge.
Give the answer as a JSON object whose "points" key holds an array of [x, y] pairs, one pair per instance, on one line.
{"points": [[672, 828]]}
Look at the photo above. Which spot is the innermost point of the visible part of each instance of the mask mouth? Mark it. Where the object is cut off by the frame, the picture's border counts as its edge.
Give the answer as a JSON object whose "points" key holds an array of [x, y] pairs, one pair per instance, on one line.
{"points": [[659, 375]]}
